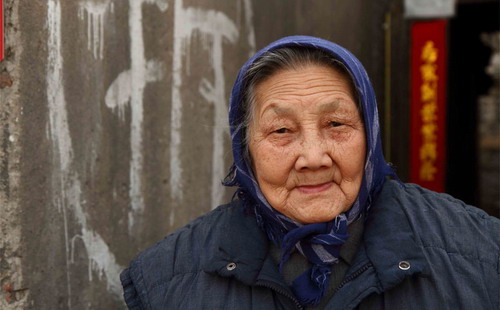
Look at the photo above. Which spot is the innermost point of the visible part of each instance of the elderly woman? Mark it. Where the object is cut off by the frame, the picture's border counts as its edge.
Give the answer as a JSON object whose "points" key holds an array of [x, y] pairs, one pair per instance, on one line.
{"points": [[316, 223]]}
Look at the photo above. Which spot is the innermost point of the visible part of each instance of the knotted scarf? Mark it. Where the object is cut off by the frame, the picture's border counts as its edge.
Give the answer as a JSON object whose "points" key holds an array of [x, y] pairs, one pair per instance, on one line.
{"points": [[319, 242]]}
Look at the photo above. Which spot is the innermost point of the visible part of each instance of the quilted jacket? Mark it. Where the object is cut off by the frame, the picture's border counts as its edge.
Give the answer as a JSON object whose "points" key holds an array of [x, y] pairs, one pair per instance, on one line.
{"points": [[420, 250]]}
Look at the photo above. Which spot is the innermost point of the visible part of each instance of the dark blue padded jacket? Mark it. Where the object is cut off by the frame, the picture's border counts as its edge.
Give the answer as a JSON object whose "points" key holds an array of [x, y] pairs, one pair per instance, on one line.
{"points": [[420, 250]]}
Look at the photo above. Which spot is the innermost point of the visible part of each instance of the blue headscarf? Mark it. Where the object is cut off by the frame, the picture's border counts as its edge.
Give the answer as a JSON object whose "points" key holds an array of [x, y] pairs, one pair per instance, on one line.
{"points": [[319, 242]]}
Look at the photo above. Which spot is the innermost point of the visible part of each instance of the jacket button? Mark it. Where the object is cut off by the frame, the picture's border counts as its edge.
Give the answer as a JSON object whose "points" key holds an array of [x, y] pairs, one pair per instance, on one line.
{"points": [[404, 265], [231, 266]]}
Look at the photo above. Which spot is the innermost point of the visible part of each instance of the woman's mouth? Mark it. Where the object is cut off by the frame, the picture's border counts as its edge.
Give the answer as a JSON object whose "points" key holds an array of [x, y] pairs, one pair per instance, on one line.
{"points": [[314, 189]]}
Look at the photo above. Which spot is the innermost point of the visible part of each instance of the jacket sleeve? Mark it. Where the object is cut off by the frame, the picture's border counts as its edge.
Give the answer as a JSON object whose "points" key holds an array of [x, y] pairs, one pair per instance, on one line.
{"points": [[148, 280], [130, 293]]}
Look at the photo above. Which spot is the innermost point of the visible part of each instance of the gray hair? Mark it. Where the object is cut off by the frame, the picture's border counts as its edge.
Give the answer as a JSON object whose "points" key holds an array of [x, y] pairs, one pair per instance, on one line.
{"points": [[282, 59]]}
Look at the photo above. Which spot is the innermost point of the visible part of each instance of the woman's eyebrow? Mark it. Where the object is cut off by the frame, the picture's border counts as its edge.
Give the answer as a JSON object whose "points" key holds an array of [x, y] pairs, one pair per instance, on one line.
{"points": [[277, 110], [330, 106]]}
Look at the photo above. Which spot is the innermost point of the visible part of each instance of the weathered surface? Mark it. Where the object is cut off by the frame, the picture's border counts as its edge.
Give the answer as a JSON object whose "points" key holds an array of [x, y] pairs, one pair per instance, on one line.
{"points": [[13, 292], [113, 127]]}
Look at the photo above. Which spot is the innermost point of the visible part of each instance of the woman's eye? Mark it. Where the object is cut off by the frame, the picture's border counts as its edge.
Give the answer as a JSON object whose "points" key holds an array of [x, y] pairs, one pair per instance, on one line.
{"points": [[335, 124], [281, 130]]}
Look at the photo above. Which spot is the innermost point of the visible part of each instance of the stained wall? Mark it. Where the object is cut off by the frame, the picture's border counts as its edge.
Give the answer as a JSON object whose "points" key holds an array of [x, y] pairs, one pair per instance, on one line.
{"points": [[113, 127]]}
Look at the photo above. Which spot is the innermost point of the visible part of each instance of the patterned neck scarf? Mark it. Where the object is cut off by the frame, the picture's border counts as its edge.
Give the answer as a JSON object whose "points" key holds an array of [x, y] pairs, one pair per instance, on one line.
{"points": [[319, 242]]}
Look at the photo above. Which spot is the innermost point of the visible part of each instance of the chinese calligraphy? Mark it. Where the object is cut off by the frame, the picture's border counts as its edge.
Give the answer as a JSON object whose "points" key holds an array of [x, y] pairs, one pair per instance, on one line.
{"points": [[428, 112]]}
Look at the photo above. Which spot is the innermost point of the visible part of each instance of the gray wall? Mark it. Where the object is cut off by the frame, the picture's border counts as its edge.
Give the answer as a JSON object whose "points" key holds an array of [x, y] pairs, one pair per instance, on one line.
{"points": [[113, 127]]}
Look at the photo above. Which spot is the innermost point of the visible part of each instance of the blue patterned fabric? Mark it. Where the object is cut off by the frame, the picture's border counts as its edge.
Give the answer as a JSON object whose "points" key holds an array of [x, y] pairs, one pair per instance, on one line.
{"points": [[319, 242]]}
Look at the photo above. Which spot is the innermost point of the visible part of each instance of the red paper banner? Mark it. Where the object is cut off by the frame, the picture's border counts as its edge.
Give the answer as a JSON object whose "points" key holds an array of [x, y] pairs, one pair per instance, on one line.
{"points": [[428, 104], [1, 30]]}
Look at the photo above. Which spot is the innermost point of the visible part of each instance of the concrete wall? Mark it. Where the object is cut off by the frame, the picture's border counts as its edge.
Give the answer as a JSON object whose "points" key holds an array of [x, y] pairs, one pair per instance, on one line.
{"points": [[113, 127]]}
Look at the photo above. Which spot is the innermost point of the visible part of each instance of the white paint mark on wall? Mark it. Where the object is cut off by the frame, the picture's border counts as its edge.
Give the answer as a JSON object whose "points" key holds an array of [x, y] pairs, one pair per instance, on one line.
{"points": [[118, 94], [66, 183], [249, 26], [161, 4], [129, 87], [216, 26], [95, 13]]}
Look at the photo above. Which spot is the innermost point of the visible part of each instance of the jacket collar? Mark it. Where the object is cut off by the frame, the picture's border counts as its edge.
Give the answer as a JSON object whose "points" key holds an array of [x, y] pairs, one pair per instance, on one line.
{"points": [[392, 244], [243, 249], [389, 242]]}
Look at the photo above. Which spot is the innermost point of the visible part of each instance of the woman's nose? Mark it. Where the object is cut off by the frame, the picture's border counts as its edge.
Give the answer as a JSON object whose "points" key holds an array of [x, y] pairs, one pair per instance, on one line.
{"points": [[313, 155]]}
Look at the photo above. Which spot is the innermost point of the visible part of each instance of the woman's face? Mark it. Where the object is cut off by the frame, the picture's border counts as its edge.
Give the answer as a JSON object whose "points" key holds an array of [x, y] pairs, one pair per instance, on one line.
{"points": [[307, 143]]}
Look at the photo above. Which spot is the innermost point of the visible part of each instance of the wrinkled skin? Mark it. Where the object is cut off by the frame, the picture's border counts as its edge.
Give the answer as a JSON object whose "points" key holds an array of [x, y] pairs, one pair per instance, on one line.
{"points": [[307, 143]]}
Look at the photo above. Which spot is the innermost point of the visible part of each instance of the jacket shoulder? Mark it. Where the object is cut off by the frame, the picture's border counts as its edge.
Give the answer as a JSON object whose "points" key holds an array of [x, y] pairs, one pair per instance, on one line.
{"points": [[439, 220], [181, 252]]}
